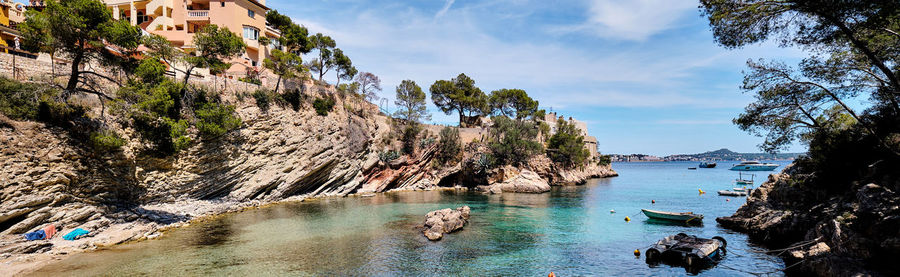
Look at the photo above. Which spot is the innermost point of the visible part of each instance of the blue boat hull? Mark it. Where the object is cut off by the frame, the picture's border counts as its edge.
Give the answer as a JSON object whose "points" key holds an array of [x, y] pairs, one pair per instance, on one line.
{"points": [[754, 168]]}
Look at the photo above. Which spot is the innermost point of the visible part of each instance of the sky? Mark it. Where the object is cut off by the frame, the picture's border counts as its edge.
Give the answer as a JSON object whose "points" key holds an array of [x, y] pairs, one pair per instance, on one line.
{"points": [[646, 75]]}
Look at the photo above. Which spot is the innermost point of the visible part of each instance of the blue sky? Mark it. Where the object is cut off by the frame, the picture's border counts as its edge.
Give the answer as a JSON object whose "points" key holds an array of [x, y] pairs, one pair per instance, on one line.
{"points": [[645, 75]]}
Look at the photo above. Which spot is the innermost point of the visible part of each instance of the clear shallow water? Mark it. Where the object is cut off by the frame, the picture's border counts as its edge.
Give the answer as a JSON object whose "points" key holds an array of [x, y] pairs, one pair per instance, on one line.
{"points": [[569, 231]]}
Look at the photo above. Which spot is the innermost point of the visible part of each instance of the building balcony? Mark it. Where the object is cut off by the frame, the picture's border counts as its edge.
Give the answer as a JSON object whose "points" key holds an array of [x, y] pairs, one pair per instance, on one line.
{"points": [[195, 15]]}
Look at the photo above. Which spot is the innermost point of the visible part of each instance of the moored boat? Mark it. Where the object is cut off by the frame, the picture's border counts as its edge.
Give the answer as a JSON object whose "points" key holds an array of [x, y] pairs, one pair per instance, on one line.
{"points": [[732, 193], [707, 165], [686, 217], [690, 251], [740, 181], [754, 166]]}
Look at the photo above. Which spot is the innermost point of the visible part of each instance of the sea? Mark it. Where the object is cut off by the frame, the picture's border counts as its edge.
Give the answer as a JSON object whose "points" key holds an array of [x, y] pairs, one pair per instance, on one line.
{"points": [[570, 231]]}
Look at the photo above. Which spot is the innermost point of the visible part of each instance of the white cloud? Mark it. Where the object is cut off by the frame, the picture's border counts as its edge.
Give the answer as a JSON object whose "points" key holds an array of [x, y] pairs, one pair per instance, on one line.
{"points": [[444, 10], [634, 20]]}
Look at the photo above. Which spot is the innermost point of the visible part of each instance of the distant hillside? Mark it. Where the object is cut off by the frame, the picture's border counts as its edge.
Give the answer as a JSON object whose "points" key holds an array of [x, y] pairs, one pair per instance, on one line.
{"points": [[725, 154], [718, 155]]}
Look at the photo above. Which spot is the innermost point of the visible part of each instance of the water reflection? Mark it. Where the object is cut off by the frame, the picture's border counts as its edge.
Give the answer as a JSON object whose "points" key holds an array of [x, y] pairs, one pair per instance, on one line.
{"points": [[569, 231]]}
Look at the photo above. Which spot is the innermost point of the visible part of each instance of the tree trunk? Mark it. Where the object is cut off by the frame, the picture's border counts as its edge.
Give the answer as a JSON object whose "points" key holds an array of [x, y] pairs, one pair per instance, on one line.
{"points": [[277, 84], [72, 85], [181, 94]]}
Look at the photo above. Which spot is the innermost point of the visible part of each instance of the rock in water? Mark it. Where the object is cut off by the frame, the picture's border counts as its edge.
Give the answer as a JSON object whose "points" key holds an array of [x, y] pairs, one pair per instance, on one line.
{"points": [[440, 222]]}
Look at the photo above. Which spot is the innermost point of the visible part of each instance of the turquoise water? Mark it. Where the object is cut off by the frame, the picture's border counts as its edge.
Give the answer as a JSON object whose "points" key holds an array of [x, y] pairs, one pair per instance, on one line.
{"points": [[569, 231]]}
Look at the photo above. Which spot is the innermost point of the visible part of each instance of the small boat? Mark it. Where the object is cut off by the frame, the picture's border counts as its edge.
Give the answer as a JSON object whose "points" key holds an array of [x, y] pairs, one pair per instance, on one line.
{"points": [[690, 251], [754, 166], [739, 189], [692, 168], [732, 193], [686, 217], [741, 181], [707, 165]]}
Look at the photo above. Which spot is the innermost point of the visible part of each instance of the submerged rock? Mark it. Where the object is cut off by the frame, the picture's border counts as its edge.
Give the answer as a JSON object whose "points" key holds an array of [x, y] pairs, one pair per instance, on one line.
{"points": [[440, 222]]}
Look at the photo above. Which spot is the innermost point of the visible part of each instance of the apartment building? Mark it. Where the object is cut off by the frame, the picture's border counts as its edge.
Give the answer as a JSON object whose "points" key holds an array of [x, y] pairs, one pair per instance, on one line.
{"points": [[179, 20], [11, 14]]}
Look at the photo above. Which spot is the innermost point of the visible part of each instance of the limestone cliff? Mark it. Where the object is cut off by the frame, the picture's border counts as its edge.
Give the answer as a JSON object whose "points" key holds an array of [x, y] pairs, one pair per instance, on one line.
{"points": [[278, 154]]}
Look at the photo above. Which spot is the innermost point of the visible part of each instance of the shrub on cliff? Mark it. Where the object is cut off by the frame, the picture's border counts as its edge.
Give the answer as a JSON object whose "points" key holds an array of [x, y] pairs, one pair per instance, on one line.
{"points": [[215, 120], [263, 99], [323, 106], [106, 141], [449, 145], [410, 133], [513, 142], [566, 146], [20, 100]]}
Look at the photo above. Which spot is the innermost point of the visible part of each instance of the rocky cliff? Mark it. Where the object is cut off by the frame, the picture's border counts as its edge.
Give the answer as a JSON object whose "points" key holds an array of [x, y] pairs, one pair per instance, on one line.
{"points": [[853, 234], [278, 154]]}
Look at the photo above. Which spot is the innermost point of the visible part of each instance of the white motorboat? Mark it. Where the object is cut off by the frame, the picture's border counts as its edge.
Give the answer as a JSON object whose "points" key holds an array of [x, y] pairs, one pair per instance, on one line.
{"points": [[754, 166]]}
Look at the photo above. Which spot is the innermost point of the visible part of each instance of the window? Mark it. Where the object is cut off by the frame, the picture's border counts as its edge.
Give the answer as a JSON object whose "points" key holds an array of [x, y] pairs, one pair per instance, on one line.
{"points": [[276, 44], [223, 3], [251, 33], [251, 13]]}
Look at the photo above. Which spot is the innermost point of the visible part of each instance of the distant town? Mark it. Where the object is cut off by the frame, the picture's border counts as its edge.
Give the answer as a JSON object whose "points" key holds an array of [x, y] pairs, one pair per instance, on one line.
{"points": [[717, 155]]}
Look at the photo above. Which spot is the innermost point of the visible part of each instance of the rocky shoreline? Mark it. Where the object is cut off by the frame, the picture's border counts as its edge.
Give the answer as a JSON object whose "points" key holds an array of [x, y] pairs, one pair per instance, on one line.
{"points": [[278, 155], [854, 234]]}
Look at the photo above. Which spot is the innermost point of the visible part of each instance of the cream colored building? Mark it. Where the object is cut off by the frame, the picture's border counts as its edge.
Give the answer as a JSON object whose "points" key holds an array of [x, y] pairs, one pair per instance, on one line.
{"points": [[590, 142], [179, 20]]}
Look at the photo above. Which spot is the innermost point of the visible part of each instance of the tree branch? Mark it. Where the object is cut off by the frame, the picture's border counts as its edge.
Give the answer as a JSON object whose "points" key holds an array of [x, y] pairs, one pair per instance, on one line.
{"points": [[101, 76]]}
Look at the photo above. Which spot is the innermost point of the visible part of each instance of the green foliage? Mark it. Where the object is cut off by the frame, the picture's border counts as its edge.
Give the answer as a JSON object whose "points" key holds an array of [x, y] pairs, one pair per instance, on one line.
{"points": [[323, 106], [604, 160], [388, 156], [459, 95], [250, 80], [263, 99], [20, 101], [106, 141], [512, 142], [343, 66], [450, 146], [215, 120], [284, 64], [293, 98], [566, 146], [326, 58], [513, 103], [410, 133], [59, 113], [294, 38], [79, 29], [481, 163], [411, 102]]}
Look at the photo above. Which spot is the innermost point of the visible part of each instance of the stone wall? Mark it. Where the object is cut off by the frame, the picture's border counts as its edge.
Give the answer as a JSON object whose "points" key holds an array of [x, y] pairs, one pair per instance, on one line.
{"points": [[25, 68]]}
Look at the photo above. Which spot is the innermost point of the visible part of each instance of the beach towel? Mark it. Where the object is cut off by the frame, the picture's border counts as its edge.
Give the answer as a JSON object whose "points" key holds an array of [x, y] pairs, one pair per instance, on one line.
{"points": [[36, 235], [49, 231], [75, 234]]}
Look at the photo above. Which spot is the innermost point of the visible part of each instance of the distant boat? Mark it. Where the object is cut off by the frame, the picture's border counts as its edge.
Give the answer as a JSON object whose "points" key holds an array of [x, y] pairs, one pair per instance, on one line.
{"points": [[754, 166], [707, 165], [741, 181], [680, 217], [692, 168], [732, 193]]}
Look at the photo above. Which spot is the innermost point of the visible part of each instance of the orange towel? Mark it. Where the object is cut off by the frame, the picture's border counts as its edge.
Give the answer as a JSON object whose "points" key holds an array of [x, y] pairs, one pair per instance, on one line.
{"points": [[50, 230]]}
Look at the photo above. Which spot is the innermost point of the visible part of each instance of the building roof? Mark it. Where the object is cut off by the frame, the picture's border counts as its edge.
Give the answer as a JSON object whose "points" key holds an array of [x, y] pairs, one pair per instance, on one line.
{"points": [[259, 4]]}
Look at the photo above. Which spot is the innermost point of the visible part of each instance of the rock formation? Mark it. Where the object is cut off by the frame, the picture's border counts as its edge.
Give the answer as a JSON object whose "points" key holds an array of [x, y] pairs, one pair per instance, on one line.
{"points": [[440, 222], [855, 234]]}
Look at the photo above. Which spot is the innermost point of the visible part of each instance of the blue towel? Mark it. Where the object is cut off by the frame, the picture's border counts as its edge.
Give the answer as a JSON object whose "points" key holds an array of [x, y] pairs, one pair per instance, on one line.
{"points": [[75, 234], [36, 235]]}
